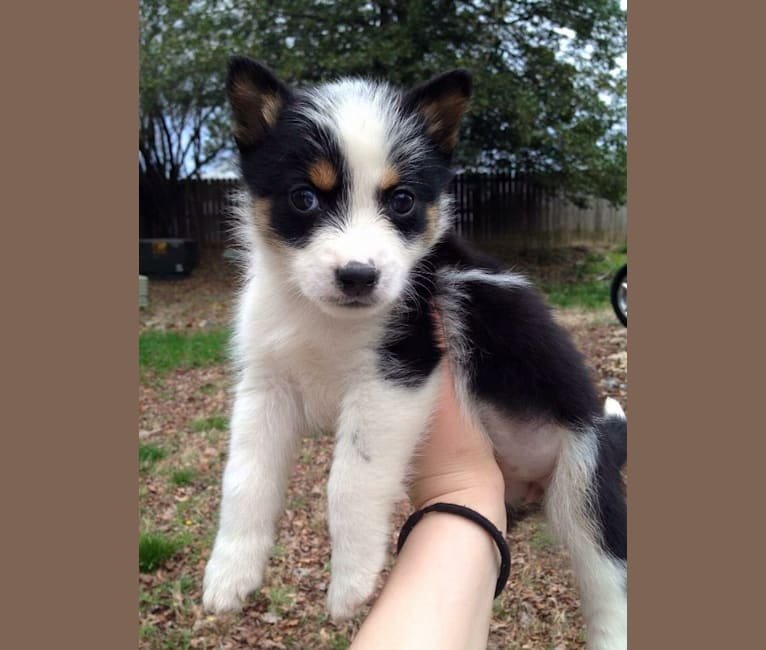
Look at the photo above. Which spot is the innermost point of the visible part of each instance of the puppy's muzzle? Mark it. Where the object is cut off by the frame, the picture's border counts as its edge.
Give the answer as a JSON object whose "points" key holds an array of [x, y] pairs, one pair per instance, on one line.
{"points": [[356, 279]]}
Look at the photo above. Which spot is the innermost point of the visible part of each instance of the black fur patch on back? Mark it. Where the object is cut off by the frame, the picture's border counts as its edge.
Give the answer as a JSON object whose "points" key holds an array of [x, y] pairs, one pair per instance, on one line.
{"points": [[608, 502], [520, 360]]}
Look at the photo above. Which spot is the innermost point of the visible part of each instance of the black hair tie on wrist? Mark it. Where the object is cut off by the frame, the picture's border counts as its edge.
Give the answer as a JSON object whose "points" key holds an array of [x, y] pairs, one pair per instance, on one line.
{"points": [[486, 524]]}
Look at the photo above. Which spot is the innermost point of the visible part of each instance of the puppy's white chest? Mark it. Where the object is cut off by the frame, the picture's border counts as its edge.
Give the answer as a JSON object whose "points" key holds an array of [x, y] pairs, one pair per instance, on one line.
{"points": [[322, 393], [322, 376]]}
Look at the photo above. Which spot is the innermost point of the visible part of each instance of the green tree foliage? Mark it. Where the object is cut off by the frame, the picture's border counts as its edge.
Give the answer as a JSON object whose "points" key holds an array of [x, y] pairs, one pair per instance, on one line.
{"points": [[549, 97]]}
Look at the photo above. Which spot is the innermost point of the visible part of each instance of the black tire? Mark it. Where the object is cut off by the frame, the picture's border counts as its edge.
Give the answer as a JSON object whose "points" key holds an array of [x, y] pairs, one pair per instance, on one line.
{"points": [[619, 294]]}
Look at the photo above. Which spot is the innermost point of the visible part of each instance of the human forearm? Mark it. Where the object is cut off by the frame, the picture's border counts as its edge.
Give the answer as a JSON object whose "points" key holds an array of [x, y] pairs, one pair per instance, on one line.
{"points": [[439, 593]]}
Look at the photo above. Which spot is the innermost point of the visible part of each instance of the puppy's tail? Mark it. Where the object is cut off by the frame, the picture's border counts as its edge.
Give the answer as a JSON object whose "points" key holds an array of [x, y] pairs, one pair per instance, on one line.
{"points": [[614, 430]]}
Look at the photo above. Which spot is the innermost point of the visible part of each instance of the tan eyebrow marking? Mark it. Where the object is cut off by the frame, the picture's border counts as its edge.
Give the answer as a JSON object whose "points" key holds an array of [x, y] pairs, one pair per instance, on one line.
{"points": [[262, 215], [432, 219], [323, 175], [389, 179]]}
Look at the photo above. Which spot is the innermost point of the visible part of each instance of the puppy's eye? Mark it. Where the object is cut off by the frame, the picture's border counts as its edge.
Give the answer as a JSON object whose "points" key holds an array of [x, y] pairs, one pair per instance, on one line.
{"points": [[304, 199], [402, 201]]}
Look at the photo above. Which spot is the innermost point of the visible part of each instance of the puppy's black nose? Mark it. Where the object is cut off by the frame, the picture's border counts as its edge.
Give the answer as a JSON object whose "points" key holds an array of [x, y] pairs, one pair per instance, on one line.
{"points": [[356, 279]]}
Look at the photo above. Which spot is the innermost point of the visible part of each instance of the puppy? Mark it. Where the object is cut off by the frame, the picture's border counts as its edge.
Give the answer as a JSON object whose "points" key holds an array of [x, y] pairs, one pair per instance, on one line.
{"points": [[346, 220]]}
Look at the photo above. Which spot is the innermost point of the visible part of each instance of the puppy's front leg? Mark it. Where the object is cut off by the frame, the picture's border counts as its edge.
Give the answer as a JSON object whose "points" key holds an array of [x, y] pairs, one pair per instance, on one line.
{"points": [[266, 425], [380, 425]]}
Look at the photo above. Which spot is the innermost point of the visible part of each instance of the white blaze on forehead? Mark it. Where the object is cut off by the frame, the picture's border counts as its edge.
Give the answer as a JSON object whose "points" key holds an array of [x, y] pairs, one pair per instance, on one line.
{"points": [[363, 116], [362, 133]]}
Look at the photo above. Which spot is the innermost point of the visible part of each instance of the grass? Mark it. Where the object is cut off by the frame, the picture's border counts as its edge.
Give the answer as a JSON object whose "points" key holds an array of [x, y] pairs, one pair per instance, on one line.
{"points": [[542, 539], [183, 477], [278, 550], [297, 502], [498, 608], [588, 283], [218, 422], [163, 352], [592, 295], [281, 598], [186, 583], [149, 454], [154, 549]]}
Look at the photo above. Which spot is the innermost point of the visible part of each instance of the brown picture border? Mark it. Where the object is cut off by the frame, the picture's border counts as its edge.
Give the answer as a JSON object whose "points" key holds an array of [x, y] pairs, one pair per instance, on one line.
{"points": [[70, 98], [692, 179], [70, 466]]}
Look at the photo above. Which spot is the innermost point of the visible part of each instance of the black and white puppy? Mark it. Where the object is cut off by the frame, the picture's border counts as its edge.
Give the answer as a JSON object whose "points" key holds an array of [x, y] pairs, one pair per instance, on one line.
{"points": [[346, 219]]}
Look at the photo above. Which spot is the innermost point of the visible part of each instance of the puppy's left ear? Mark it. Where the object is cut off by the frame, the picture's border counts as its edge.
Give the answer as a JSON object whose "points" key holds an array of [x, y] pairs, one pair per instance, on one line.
{"points": [[442, 101]]}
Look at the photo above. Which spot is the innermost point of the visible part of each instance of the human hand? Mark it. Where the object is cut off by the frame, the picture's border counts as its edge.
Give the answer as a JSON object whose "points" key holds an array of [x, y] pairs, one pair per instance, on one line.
{"points": [[456, 462]]}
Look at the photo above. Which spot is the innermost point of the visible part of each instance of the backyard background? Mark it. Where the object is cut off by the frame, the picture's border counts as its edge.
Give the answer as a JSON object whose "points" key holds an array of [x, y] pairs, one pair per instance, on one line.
{"points": [[540, 183]]}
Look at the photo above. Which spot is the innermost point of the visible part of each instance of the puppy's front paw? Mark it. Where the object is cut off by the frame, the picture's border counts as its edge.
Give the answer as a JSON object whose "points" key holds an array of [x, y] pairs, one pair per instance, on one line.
{"points": [[348, 591], [607, 642], [229, 578]]}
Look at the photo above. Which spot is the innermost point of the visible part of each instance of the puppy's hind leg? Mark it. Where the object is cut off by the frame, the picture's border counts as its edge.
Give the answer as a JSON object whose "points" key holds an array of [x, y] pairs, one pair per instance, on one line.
{"points": [[586, 507], [266, 425]]}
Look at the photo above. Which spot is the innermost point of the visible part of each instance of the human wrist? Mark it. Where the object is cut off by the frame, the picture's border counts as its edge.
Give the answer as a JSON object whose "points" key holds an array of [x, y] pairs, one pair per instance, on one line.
{"points": [[487, 500], [473, 516]]}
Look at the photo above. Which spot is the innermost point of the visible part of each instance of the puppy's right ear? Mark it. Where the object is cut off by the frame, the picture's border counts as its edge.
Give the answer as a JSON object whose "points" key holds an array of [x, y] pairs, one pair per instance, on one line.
{"points": [[256, 97], [441, 102]]}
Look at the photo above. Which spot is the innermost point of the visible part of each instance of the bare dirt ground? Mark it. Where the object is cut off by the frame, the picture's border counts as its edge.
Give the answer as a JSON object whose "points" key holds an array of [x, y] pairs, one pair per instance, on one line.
{"points": [[203, 299], [538, 609]]}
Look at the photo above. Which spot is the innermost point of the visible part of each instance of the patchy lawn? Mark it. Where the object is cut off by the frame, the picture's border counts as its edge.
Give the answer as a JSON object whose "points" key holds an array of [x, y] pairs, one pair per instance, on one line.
{"points": [[183, 431], [576, 276]]}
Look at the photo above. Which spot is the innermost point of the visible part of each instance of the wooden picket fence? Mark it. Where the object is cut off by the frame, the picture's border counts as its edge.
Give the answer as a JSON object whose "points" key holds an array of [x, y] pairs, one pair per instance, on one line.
{"points": [[522, 213]]}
